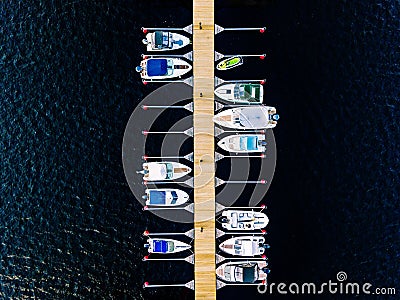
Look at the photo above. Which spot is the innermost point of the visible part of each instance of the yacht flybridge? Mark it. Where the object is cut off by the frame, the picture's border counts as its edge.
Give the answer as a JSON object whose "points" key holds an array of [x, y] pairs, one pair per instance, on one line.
{"points": [[165, 41], [163, 68], [243, 271], [250, 117], [165, 246], [246, 93], [153, 171], [243, 220], [243, 143], [165, 197], [244, 246]]}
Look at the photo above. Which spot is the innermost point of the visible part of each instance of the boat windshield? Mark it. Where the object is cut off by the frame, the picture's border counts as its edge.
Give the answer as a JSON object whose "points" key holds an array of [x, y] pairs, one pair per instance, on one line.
{"points": [[227, 272], [174, 197], [240, 92], [170, 171], [161, 39], [171, 246]]}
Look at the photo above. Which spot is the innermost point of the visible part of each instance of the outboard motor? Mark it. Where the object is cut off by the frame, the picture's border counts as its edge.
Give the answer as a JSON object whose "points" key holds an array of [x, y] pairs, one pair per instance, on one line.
{"points": [[145, 41], [139, 69], [224, 220], [146, 245], [262, 143], [275, 117], [266, 270], [266, 246], [144, 197]]}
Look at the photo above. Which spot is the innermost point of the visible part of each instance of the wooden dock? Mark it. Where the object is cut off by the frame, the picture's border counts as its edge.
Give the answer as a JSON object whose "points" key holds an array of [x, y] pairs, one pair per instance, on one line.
{"points": [[204, 163]]}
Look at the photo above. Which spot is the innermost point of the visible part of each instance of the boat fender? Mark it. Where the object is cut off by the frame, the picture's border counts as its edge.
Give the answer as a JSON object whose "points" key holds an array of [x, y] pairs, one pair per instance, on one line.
{"points": [[145, 41]]}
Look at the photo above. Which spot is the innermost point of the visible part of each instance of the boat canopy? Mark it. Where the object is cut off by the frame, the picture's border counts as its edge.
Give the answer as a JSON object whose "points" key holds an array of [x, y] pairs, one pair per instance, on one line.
{"points": [[253, 117], [248, 143], [161, 246], [161, 39], [157, 67], [249, 273], [160, 197]]}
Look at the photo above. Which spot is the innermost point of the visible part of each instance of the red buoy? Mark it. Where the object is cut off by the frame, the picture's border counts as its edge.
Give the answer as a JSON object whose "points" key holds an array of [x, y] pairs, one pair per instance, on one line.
{"points": [[264, 282], [262, 82], [146, 232], [144, 82], [262, 155], [145, 132], [145, 182], [263, 181], [262, 30], [263, 231], [144, 30], [146, 257], [145, 157], [144, 107], [146, 284], [262, 205], [264, 256], [145, 207], [262, 56], [145, 57]]}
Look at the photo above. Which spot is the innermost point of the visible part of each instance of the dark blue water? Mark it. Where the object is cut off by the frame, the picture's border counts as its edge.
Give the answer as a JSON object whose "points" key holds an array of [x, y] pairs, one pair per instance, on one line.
{"points": [[70, 227]]}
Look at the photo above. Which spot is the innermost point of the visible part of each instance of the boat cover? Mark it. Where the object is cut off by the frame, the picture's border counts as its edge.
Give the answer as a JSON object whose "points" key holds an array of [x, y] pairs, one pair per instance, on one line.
{"points": [[248, 143], [157, 197], [253, 117], [160, 246], [249, 273], [156, 67], [158, 39]]}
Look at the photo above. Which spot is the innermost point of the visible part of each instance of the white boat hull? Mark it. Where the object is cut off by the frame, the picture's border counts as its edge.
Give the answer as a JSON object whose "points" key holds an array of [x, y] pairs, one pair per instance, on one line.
{"points": [[160, 171], [243, 143], [176, 67], [247, 117], [243, 246], [175, 41], [166, 197], [244, 220], [166, 246]]}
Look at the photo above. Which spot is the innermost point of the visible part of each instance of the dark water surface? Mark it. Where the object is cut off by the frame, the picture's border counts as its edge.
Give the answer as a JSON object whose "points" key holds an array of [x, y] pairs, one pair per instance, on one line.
{"points": [[70, 227]]}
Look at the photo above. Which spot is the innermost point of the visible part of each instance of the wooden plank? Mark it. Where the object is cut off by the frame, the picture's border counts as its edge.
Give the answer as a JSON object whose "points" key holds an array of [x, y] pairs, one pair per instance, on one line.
{"points": [[204, 163]]}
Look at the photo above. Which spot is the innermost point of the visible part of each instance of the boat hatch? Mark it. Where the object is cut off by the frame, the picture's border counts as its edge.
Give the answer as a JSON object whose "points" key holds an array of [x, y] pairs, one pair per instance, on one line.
{"points": [[170, 171]]}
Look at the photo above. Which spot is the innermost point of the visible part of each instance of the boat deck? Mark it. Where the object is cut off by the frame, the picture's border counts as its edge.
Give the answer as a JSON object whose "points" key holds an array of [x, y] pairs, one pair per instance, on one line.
{"points": [[204, 163]]}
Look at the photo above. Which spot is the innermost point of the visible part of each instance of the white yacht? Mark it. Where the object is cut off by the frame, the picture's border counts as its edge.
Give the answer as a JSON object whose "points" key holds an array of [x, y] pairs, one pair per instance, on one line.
{"points": [[248, 117], [165, 197], [243, 271], [153, 171], [243, 220], [243, 143], [163, 68], [165, 41], [246, 93], [244, 246], [165, 246]]}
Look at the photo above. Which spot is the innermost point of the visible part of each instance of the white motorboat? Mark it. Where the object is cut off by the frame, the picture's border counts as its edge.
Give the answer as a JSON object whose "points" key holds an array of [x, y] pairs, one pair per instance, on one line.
{"points": [[244, 246], [165, 41], [248, 117], [163, 68], [243, 271], [247, 93], [164, 170], [165, 246], [243, 220], [243, 143], [165, 197]]}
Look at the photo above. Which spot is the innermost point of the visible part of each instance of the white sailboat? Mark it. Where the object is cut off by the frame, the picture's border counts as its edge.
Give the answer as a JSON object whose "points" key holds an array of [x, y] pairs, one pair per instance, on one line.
{"points": [[244, 246], [243, 271], [163, 68], [243, 143], [165, 41], [246, 93], [165, 197], [248, 117], [153, 171], [243, 220], [165, 246]]}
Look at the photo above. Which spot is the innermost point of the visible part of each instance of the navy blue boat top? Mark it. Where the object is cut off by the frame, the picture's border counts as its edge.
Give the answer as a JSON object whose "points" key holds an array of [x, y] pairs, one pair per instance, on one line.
{"points": [[157, 67]]}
